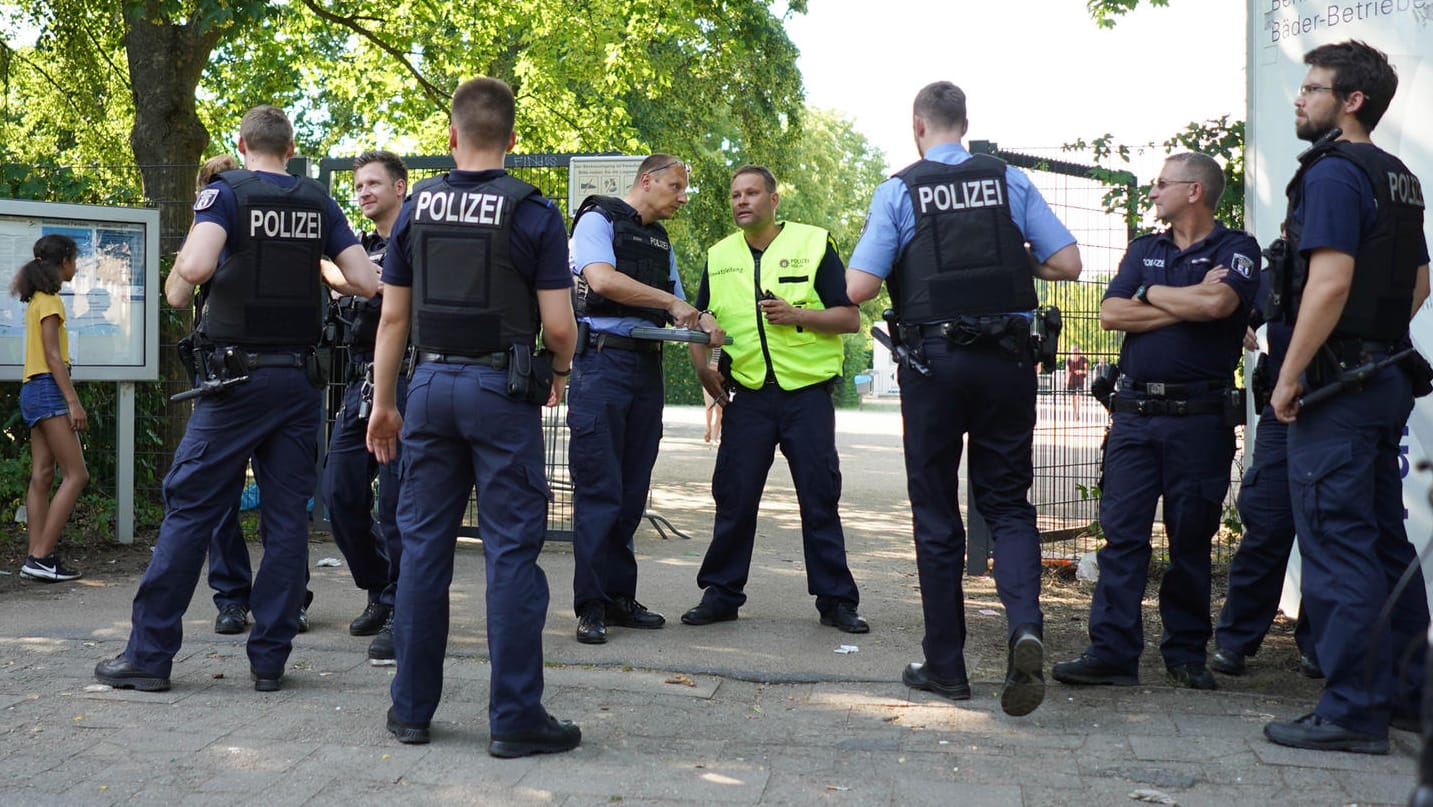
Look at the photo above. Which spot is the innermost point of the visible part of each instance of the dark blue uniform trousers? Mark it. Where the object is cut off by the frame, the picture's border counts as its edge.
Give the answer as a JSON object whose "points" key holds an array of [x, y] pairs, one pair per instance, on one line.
{"points": [[374, 550], [1256, 575], [614, 413], [230, 573], [462, 429], [990, 396], [803, 424], [1348, 510], [273, 419], [1186, 460]]}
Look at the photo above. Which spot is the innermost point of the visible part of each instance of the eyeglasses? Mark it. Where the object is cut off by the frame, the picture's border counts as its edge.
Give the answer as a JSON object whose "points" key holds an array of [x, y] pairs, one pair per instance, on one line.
{"points": [[1163, 183], [669, 165], [1310, 89]]}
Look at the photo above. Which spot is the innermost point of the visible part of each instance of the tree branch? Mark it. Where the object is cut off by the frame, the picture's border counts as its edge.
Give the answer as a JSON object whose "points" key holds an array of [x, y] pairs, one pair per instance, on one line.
{"points": [[436, 95]]}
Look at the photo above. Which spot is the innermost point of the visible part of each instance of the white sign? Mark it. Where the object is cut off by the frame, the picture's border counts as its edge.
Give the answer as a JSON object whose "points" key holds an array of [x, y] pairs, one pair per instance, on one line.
{"points": [[604, 176], [1280, 33], [111, 307]]}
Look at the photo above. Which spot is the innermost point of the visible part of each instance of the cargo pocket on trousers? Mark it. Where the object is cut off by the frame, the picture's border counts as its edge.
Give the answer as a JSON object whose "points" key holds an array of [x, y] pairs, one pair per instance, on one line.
{"points": [[1309, 477], [180, 475]]}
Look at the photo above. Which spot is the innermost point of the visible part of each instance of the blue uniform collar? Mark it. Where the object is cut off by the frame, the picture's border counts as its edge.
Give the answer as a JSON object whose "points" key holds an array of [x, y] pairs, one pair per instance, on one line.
{"points": [[949, 153], [1216, 235]]}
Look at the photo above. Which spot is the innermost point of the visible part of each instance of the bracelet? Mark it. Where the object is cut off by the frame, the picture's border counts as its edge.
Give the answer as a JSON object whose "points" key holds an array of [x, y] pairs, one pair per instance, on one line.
{"points": [[562, 373]]}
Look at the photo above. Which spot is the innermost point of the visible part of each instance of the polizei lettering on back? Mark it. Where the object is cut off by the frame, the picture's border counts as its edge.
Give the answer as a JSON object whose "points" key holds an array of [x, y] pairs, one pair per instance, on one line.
{"points": [[1405, 189], [456, 207], [306, 225], [975, 193]]}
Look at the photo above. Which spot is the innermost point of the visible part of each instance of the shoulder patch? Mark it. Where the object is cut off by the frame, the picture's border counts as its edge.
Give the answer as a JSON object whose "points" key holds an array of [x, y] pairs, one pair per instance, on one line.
{"points": [[1242, 264], [206, 198]]}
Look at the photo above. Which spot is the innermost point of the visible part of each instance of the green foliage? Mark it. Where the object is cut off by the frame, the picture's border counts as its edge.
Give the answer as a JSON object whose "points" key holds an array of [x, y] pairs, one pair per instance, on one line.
{"points": [[1105, 12], [1088, 493], [1220, 138]]}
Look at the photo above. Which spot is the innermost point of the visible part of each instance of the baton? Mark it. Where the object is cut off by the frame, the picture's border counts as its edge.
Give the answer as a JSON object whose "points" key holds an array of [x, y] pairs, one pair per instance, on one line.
{"points": [[656, 334], [210, 387], [1353, 378], [901, 353]]}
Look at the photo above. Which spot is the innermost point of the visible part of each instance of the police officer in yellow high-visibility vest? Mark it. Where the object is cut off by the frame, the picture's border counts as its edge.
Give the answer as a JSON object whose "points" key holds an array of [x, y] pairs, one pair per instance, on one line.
{"points": [[778, 288]]}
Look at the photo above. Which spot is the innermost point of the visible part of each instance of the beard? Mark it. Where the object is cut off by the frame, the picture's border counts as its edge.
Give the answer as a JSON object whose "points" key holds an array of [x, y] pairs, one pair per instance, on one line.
{"points": [[1311, 130]]}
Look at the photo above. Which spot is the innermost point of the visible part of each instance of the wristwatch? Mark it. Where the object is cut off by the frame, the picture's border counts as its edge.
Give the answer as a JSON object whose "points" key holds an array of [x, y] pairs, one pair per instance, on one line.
{"points": [[1142, 294]]}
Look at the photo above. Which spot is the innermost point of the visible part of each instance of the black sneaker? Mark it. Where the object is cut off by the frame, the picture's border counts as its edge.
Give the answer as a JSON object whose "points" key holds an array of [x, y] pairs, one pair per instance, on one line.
{"points": [[552, 737], [1024, 688], [47, 569], [231, 619], [371, 621], [380, 650]]}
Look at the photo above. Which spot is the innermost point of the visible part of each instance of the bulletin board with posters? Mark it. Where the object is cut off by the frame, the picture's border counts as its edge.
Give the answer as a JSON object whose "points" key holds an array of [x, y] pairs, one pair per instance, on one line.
{"points": [[605, 176], [111, 307]]}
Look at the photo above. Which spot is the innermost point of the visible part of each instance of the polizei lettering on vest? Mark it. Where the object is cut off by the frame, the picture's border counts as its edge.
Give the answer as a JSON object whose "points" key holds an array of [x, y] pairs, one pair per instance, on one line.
{"points": [[461, 208], [299, 224], [973, 193], [1405, 189]]}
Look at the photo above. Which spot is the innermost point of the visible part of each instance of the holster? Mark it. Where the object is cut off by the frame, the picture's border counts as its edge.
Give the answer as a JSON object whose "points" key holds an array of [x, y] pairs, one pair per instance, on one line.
{"points": [[529, 374], [1260, 385], [1419, 372], [1046, 344]]}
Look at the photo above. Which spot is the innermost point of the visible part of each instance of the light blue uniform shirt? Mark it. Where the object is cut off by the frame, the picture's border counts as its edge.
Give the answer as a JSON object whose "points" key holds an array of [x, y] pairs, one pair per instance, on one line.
{"points": [[592, 243], [891, 223]]}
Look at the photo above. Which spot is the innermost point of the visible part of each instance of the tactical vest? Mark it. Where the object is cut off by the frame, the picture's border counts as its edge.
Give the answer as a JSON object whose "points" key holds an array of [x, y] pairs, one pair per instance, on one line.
{"points": [[360, 315], [967, 255], [799, 357], [268, 291], [643, 251], [1380, 299], [468, 297]]}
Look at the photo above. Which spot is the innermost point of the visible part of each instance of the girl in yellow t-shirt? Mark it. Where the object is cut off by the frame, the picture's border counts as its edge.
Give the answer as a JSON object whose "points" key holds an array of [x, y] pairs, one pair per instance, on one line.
{"points": [[49, 405]]}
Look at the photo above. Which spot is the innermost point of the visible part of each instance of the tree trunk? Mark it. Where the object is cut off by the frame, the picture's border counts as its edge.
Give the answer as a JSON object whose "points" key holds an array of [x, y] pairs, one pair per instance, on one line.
{"points": [[168, 139]]}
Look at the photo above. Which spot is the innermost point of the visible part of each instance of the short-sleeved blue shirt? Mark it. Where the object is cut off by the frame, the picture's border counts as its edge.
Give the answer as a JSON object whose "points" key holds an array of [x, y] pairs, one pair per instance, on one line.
{"points": [[537, 244], [592, 243], [224, 211], [891, 223], [1188, 351]]}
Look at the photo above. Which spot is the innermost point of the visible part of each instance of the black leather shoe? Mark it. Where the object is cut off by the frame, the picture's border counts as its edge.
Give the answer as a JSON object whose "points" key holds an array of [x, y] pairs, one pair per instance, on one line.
{"points": [[408, 733], [705, 615], [370, 622], [592, 624], [1024, 688], [1228, 662], [915, 676], [267, 682], [625, 612], [1403, 721], [380, 650], [1088, 670], [231, 619], [303, 620], [120, 674], [1309, 666], [1312, 731], [1192, 676], [552, 737], [844, 617]]}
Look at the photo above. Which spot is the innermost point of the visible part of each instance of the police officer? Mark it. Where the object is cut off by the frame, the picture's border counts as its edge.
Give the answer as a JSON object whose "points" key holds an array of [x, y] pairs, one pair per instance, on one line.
{"points": [[778, 288], [627, 277], [477, 263], [373, 550], [948, 234], [1256, 575], [1183, 298], [259, 234], [1359, 272]]}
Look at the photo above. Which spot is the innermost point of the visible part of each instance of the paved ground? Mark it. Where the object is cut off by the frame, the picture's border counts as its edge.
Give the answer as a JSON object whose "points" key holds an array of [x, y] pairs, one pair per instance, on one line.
{"points": [[758, 711]]}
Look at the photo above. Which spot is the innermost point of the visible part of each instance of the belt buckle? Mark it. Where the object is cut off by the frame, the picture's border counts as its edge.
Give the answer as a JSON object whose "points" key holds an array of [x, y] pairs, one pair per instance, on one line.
{"points": [[1142, 407], [1155, 388]]}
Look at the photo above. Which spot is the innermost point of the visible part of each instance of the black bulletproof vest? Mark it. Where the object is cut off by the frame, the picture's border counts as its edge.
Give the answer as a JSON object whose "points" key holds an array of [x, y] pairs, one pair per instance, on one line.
{"points": [[643, 251], [268, 291], [468, 297], [967, 255], [361, 314], [1385, 268]]}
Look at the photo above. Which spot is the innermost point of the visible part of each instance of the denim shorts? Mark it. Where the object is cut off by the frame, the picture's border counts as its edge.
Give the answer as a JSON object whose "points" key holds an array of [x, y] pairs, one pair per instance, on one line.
{"points": [[40, 398]]}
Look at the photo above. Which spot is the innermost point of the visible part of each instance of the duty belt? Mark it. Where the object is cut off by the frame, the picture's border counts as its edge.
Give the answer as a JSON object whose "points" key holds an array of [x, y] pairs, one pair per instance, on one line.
{"points": [[1165, 389], [249, 360], [973, 331], [358, 370], [603, 341], [495, 360], [1352, 350], [1149, 407]]}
